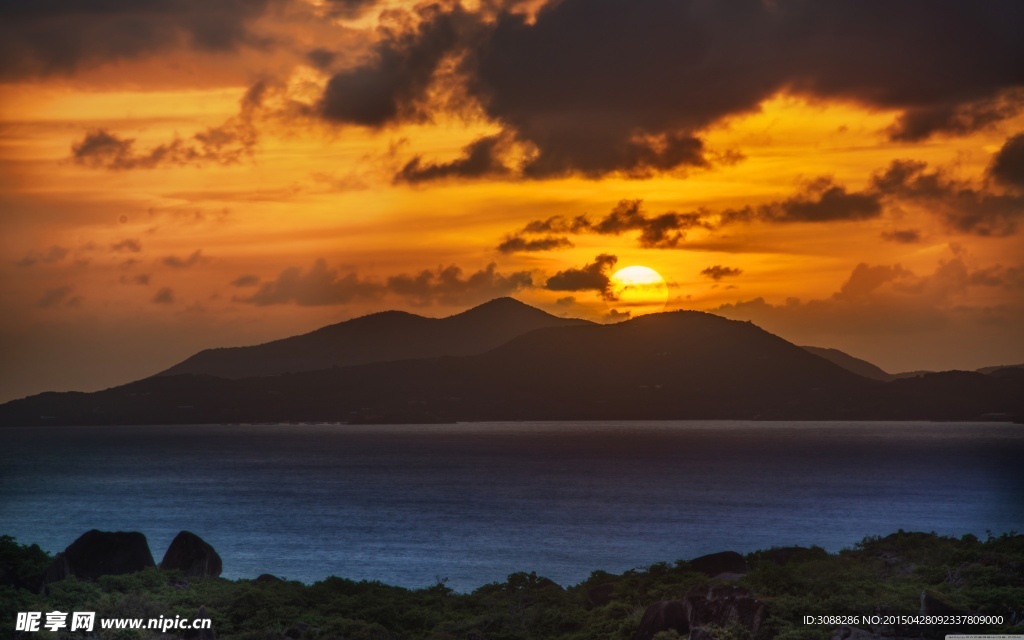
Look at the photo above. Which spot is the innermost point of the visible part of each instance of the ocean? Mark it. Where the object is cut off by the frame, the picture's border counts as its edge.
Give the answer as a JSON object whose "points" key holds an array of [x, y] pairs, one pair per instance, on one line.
{"points": [[413, 505]]}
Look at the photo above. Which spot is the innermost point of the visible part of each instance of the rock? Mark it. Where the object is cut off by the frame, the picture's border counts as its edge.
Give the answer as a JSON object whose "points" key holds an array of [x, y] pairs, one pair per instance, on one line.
{"points": [[267, 578], [101, 553], [934, 603], [723, 562], [724, 605], [193, 555], [728, 577], [662, 616], [601, 594]]}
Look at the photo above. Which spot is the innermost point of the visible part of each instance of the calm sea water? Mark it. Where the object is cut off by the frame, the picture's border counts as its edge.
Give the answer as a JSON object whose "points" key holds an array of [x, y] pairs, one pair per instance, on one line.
{"points": [[409, 504]]}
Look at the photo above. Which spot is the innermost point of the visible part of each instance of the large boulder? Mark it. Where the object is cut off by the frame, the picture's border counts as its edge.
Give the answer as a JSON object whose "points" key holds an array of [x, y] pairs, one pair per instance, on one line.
{"points": [[722, 606], [101, 553], [934, 603], [662, 616], [193, 555], [717, 563]]}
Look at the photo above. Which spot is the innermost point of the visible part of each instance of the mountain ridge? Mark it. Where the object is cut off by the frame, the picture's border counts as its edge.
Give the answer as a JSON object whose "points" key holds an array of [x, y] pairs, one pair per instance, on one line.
{"points": [[377, 337], [676, 365]]}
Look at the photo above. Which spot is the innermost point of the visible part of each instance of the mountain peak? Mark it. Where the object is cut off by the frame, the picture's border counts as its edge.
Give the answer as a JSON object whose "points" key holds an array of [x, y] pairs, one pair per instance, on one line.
{"points": [[504, 306], [378, 337]]}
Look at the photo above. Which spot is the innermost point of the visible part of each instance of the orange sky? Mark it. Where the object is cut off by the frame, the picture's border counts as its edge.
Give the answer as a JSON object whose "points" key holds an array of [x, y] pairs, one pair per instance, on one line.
{"points": [[154, 203]]}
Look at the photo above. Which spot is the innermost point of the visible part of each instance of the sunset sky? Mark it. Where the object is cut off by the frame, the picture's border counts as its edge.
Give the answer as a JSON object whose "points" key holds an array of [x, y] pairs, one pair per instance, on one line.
{"points": [[184, 174]]}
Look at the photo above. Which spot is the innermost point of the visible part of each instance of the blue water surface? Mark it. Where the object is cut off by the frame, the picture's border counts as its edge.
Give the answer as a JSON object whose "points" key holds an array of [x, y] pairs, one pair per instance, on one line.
{"points": [[412, 504]]}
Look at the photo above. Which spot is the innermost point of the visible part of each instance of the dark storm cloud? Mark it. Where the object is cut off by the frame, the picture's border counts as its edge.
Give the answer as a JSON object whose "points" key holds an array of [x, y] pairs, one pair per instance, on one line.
{"points": [[905, 236], [558, 224], [348, 8], [389, 86], [1007, 166], [515, 244], [822, 201], [323, 285], [479, 161], [623, 86], [194, 258], [226, 144], [51, 256], [717, 272], [964, 208], [448, 286], [590, 277], [662, 231], [47, 37], [919, 123], [320, 58]]}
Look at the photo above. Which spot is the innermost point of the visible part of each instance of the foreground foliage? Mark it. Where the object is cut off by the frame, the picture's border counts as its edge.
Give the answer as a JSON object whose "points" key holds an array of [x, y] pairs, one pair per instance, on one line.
{"points": [[980, 576]]}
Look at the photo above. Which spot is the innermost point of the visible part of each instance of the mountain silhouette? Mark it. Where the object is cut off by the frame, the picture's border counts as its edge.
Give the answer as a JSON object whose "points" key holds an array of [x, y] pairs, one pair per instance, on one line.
{"points": [[677, 365], [379, 337], [850, 363]]}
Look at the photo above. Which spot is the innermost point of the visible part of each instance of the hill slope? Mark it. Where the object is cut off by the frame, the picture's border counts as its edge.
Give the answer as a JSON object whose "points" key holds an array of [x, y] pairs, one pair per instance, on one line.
{"points": [[379, 337], [679, 365], [850, 363]]}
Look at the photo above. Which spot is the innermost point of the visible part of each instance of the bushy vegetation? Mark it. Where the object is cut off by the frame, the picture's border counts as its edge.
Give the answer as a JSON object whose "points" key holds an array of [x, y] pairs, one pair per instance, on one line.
{"points": [[982, 576]]}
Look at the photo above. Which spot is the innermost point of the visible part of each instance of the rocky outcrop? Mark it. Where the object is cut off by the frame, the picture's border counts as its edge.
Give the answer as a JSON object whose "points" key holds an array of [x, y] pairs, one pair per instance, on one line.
{"points": [[934, 603], [101, 553], [662, 616], [722, 606], [718, 563], [265, 578], [192, 555], [717, 606]]}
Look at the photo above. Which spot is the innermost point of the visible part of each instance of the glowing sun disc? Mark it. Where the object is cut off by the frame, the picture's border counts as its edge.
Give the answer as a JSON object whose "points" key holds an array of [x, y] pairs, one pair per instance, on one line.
{"points": [[638, 290]]}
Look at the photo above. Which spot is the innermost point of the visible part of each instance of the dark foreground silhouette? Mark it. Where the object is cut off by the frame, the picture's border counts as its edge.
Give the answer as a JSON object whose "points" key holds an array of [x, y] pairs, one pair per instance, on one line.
{"points": [[678, 365], [883, 588]]}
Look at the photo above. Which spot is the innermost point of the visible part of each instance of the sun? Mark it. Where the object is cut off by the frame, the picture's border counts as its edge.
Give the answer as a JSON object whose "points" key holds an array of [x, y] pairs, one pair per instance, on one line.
{"points": [[638, 290]]}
